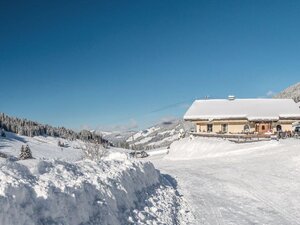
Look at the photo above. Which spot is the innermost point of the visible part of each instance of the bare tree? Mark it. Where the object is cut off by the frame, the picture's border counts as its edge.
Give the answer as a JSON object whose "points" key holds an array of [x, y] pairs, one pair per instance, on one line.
{"points": [[94, 151]]}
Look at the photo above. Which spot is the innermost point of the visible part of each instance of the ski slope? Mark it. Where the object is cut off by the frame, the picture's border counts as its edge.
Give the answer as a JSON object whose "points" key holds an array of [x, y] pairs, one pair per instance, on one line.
{"points": [[226, 183]]}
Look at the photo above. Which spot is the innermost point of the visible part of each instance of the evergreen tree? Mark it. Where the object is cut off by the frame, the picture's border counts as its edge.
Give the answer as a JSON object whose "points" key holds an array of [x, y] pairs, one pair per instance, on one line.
{"points": [[25, 153]]}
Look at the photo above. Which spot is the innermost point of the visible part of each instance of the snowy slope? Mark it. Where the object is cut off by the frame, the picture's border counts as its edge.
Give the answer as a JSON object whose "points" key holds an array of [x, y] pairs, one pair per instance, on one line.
{"points": [[116, 137], [200, 148], [227, 183], [160, 135], [42, 147], [59, 187], [291, 92]]}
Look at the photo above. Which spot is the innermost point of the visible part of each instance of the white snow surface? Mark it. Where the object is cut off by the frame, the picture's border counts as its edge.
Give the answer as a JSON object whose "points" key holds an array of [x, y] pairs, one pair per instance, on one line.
{"points": [[59, 187], [252, 109], [200, 148], [291, 92], [42, 147], [143, 133], [228, 183]]}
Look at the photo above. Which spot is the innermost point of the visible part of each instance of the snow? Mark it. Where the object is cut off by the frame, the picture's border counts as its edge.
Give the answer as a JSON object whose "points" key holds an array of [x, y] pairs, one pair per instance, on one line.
{"points": [[170, 132], [60, 187], [115, 155], [202, 181], [165, 140], [42, 147], [199, 148], [143, 133], [143, 141], [291, 92], [85, 192], [228, 183], [159, 151], [267, 109]]}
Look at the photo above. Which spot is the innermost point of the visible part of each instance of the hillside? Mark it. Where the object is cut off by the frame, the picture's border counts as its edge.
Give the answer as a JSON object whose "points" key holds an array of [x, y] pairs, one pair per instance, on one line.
{"points": [[60, 186], [291, 92], [117, 137], [159, 135], [30, 128]]}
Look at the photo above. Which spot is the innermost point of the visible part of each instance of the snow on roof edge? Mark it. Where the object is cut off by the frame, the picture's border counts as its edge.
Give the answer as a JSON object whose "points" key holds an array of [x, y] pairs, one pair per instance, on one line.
{"points": [[251, 109]]}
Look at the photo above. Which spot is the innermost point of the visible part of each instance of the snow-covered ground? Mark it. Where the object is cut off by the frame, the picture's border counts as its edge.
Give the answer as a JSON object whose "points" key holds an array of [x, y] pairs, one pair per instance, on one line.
{"points": [[60, 187], [227, 183], [42, 147], [214, 180]]}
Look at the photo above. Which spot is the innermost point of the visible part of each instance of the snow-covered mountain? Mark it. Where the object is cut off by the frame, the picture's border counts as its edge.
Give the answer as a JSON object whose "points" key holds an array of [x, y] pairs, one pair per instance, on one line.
{"points": [[117, 137], [159, 135], [291, 92]]}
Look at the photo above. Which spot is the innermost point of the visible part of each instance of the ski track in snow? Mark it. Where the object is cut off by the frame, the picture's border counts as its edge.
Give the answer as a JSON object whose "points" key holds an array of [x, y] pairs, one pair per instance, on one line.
{"points": [[256, 183]]}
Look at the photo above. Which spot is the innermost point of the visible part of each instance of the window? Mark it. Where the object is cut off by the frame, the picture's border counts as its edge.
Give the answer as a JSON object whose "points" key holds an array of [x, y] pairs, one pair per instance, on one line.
{"points": [[278, 128], [209, 127], [224, 128], [198, 128], [263, 127], [247, 128]]}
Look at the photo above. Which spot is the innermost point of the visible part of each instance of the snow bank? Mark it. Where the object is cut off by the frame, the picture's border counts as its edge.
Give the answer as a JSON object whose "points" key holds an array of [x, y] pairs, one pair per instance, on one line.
{"points": [[160, 151], [115, 155], [86, 192], [199, 147]]}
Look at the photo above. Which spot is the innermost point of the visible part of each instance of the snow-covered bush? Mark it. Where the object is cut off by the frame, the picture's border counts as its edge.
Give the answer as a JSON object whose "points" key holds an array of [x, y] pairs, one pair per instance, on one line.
{"points": [[61, 144], [2, 133], [94, 151], [25, 153]]}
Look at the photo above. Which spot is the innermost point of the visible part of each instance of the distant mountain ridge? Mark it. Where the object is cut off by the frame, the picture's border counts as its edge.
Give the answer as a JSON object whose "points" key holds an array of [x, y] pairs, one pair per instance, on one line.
{"points": [[291, 92], [159, 135]]}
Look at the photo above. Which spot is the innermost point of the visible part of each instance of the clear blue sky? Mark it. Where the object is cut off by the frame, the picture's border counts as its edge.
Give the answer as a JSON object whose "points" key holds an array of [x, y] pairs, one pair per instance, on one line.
{"points": [[110, 63]]}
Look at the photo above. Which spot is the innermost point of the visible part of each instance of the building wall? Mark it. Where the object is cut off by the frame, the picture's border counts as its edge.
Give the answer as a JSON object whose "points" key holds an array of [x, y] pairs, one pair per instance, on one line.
{"points": [[286, 125], [237, 126], [233, 126]]}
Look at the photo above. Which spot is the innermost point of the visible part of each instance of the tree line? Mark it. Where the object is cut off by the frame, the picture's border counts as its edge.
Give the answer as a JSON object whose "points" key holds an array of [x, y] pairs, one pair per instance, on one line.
{"points": [[30, 128]]}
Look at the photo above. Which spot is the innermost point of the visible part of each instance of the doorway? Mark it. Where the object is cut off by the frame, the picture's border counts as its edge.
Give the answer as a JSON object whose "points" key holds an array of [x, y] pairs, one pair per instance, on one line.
{"points": [[262, 127], [278, 128]]}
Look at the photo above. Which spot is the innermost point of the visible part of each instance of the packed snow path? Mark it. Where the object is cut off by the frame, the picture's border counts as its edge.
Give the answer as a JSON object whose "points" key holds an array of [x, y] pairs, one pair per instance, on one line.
{"points": [[257, 183]]}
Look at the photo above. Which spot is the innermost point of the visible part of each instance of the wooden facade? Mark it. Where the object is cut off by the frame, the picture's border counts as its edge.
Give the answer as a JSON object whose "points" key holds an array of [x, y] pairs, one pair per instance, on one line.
{"points": [[243, 126]]}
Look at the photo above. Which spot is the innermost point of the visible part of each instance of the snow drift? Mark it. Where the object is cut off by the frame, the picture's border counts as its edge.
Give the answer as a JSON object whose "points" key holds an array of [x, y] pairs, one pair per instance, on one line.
{"points": [[199, 148], [86, 192]]}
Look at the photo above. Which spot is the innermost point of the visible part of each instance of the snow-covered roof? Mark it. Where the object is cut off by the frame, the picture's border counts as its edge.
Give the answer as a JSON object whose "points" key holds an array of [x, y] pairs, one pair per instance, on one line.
{"points": [[251, 109]]}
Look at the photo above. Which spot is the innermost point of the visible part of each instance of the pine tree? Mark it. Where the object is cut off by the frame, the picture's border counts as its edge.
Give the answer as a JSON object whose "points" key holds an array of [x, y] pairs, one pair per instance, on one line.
{"points": [[25, 153]]}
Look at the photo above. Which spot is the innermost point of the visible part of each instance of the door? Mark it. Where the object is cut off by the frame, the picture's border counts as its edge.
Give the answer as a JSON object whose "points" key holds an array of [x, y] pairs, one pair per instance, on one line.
{"points": [[263, 128]]}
